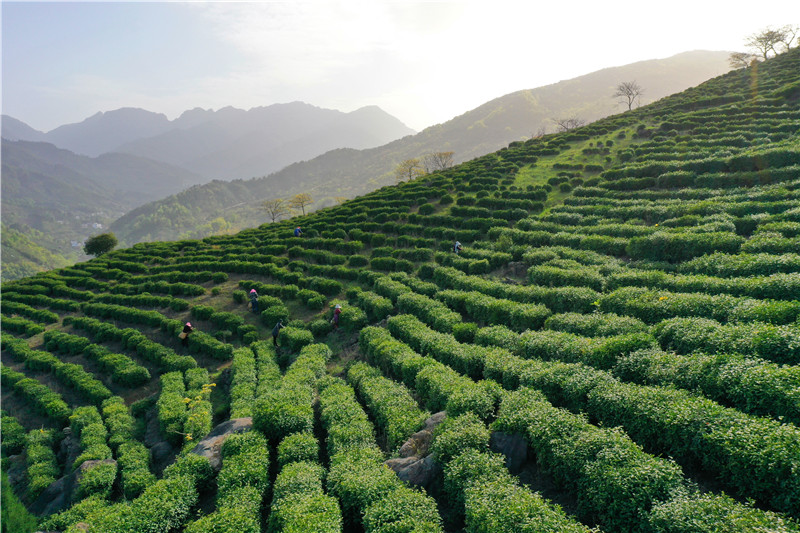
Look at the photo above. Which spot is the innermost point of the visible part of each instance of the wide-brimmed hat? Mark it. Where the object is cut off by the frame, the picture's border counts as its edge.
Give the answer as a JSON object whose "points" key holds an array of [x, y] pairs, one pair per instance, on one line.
{"points": [[189, 324], [338, 306], [252, 290]]}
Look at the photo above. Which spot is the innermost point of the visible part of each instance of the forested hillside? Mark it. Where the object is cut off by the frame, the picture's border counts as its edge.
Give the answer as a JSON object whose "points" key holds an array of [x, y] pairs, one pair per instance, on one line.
{"points": [[625, 309], [230, 206]]}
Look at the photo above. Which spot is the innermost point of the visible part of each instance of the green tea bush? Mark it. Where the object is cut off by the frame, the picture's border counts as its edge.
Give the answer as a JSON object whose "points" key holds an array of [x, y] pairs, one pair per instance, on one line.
{"points": [[431, 311], [238, 512], [403, 509], [245, 462], [298, 447], [457, 435], [134, 464], [678, 247], [41, 397], [713, 513], [41, 460], [271, 315], [595, 324], [13, 435], [171, 407], [294, 339], [299, 504], [464, 332]]}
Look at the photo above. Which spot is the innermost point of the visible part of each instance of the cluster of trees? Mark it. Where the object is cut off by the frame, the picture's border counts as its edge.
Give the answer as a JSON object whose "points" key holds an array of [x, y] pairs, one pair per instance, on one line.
{"points": [[765, 44], [281, 207], [420, 166]]}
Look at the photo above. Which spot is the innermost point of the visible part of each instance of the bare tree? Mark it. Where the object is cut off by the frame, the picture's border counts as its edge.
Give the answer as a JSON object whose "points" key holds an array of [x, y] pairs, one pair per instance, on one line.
{"points": [[541, 132], [629, 92], [408, 170], [566, 124], [764, 43], [740, 59], [276, 208], [437, 161], [300, 201], [790, 32]]}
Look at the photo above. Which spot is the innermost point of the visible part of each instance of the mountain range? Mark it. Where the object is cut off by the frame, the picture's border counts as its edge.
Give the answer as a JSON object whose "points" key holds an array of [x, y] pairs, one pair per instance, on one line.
{"points": [[163, 179]]}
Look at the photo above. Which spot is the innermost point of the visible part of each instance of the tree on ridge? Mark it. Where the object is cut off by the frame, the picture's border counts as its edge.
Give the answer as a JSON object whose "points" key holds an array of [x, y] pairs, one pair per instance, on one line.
{"points": [[276, 208], [300, 201], [100, 244], [408, 170], [629, 91]]}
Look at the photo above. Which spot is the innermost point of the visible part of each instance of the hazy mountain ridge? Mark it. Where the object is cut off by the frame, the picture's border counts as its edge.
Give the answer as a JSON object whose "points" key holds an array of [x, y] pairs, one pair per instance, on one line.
{"points": [[487, 128], [227, 144]]}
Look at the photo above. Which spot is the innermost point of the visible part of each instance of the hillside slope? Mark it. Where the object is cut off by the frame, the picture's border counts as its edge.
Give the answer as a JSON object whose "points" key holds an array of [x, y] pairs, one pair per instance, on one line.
{"points": [[626, 302], [51, 198], [349, 172]]}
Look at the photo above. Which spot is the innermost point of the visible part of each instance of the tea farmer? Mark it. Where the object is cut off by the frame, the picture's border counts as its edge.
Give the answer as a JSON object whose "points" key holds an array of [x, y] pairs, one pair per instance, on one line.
{"points": [[254, 300], [297, 231], [336, 312], [184, 334], [276, 331], [457, 247]]}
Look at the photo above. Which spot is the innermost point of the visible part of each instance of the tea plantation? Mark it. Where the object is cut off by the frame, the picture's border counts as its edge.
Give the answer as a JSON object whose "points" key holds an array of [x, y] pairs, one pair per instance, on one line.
{"points": [[627, 301]]}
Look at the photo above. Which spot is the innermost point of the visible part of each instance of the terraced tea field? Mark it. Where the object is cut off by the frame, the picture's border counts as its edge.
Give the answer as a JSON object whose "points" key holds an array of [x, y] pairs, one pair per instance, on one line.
{"points": [[627, 301]]}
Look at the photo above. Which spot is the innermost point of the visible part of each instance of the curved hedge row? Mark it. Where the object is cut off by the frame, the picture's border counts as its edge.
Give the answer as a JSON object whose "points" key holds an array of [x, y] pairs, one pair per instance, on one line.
{"points": [[122, 368], [133, 339], [394, 410], [431, 311], [40, 396], [479, 486], [71, 375], [653, 306], [369, 492], [751, 385], [686, 335], [755, 457]]}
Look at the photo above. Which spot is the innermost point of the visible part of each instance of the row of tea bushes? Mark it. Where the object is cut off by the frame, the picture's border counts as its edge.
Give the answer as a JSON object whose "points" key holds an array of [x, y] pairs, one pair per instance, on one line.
{"points": [[42, 466], [165, 505], [13, 434], [172, 407], [751, 385], [21, 326], [241, 483], [587, 460], [369, 492], [288, 407], [98, 479], [754, 264], [778, 343], [752, 456], [132, 456], [653, 306], [556, 299], [72, 375], [299, 502], [442, 388], [134, 340], [479, 487], [43, 399], [122, 368], [391, 405]]}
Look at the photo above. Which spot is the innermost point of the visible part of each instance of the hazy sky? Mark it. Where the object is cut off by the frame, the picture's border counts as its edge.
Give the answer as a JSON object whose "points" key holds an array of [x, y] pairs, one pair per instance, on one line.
{"points": [[423, 62]]}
